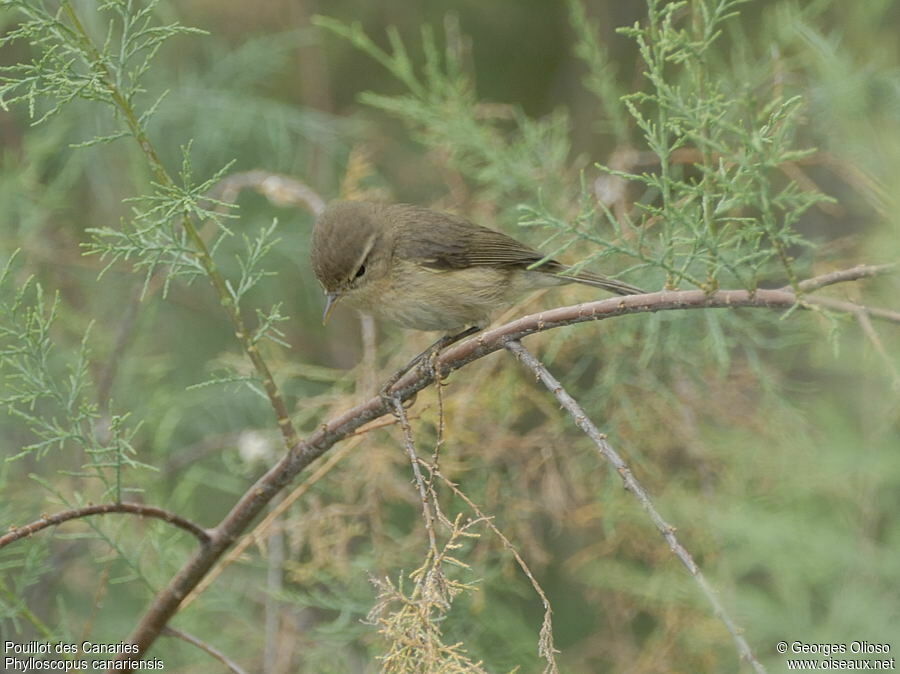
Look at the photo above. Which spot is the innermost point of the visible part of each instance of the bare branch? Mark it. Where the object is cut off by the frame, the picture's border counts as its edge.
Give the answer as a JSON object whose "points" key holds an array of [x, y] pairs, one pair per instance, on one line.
{"points": [[302, 454], [260, 530], [869, 331], [853, 274], [488, 341], [17, 533], [206, 648], [852, 308], [257, 534], [281, 190], [633, 486], [410, 446]]}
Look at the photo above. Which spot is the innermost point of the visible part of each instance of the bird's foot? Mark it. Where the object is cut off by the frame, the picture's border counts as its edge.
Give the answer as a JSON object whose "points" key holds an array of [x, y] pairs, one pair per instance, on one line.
{"points": [[426, 360]]}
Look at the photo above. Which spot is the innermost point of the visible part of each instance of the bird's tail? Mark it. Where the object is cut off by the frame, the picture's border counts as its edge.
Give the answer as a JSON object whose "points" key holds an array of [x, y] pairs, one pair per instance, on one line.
{"points": [[598, 281]]}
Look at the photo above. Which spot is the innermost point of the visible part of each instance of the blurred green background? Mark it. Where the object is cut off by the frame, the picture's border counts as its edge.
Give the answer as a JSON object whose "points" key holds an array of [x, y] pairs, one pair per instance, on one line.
{"points": [[773, 445]]}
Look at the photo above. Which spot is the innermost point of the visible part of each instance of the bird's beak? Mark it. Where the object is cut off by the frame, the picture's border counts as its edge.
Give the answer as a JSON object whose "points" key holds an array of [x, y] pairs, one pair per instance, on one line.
{"points": [[330, 300]]}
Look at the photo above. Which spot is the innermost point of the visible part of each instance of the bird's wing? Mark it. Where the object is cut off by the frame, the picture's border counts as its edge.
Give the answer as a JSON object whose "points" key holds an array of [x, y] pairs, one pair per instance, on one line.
{"points": [[442, 241]]}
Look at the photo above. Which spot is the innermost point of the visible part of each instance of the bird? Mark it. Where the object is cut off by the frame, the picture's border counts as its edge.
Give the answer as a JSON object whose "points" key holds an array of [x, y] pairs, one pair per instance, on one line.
{"points": [[428, 270]]}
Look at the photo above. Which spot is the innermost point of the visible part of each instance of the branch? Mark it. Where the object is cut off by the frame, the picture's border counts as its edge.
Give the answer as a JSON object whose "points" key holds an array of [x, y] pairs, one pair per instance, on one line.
{"points": [[279, 189], [869, 331], [410, 447], [264, 525], [301, 455], [206, 648], [633, 486], [197, 531], [852, 308], [854, 274]]}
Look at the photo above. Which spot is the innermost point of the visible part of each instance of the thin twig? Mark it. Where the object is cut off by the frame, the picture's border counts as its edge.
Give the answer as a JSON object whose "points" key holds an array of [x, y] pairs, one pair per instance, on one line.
{"points": [[206, 648], [546, 648], [274, 590], [27, 530], [439, 441], [633, 486], [124, 334], [87, 628], [410, 446], [869, 330], [852, 308], [280, 189], [853, 274]]}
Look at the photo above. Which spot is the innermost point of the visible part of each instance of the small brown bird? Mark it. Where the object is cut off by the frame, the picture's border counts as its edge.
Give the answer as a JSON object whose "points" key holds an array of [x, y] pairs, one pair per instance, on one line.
{"points": [[427, 270]]}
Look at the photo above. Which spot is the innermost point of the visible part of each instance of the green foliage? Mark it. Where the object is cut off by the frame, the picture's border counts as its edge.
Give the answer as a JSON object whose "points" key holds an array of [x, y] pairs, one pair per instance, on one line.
{"points": [[70, 67], [154, 238], [729, 222], [685, 162], [50, 396], [728, 219], [732, 219], [444, 112], [601, 79]]}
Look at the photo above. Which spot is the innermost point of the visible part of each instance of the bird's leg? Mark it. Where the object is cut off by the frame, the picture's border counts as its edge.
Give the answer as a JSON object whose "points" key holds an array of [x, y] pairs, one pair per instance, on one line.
{"points": [[427, 356]]}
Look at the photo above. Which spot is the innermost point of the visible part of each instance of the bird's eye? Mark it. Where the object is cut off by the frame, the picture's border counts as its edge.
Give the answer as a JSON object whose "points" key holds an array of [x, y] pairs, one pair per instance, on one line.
{"points": [[360, 272]]}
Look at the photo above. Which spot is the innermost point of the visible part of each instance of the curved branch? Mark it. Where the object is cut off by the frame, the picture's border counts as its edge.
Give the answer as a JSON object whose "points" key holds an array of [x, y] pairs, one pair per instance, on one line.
{"points": [[302, 454], [631, 484], [17, 533]]}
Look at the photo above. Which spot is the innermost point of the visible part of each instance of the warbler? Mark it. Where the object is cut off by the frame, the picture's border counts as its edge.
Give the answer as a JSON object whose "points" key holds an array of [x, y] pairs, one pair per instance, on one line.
{"points": [[427, 270]]}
